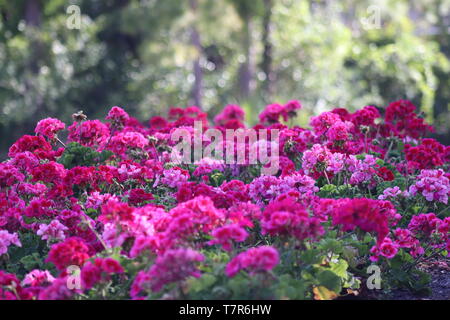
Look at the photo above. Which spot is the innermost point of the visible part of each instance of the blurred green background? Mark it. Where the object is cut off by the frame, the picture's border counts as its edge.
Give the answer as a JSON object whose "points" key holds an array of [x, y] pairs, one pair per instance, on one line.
{"points": [[148, 55]]}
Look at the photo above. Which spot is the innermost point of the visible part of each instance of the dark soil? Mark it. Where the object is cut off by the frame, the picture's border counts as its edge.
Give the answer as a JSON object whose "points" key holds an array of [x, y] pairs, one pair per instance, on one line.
{"points": [[439, 285], [439, 271]]}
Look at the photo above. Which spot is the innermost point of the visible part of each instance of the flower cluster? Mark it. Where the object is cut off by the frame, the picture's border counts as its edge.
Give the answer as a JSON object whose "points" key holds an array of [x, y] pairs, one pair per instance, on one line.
{"points": [[433, 185], [172, 266], [273, 112], [254, 260], [49, 127], [117, 204], [6, 239], [100, 270], [226, 234], [72, 251]]}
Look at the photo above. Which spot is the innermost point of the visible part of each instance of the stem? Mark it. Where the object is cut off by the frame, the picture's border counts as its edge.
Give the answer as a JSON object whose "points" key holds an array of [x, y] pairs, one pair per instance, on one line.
{"points": [[57, 139], [442, 211], [326, 176], [96, 234], [388, 150]]}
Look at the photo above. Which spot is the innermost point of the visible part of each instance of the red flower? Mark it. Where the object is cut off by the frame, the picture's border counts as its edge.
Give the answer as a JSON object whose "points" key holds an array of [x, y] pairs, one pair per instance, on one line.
{"points": [[73, 251], [385, 174]]}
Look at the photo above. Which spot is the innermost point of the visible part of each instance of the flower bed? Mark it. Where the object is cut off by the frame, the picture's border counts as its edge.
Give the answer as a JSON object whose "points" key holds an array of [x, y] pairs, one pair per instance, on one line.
{"points": [[355, 204]]}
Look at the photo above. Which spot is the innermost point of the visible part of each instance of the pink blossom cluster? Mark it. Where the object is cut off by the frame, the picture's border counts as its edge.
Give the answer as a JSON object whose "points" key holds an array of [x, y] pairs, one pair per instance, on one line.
{"points": [[319, 159], [127, 140], [174, 177], [288, 217], [49, 127], [174, 265], [7, 239], [362, 170], [138, 217], [273, 112], [100, 270], [118, 117], [433, 185], [367, 214], [225, 236], [90, 133], [422, 226], [37, 278], [258, 259], [52, 231], [268, 188], [391, 193]]}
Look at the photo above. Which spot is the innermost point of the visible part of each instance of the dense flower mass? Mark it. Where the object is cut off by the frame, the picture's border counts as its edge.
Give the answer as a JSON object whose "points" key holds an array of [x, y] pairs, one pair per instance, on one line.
{"points": [[116, 212], [73, 251], [49, 127], [254, 260], [433, 185]]}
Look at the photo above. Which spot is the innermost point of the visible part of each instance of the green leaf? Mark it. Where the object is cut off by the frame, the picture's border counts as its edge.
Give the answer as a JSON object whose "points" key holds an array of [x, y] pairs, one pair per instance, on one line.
{"points": [[340, 268], [311, 256], [203, 283], [329, 280], [332, 245]]}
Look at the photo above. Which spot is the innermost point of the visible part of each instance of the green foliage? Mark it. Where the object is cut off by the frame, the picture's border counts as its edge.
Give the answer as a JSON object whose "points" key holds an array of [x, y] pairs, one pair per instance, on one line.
{"points": [[77, 155], [31, 255]]}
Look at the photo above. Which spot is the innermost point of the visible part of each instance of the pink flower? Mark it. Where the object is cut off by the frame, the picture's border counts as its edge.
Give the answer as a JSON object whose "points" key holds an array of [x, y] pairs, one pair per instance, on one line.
{"points": [[366, 116], [229, 113], [254, 260], [144, 244], [225, 235], [100, 270], [24, 160], [267, 188], [172, 266], [390, 193], [425, 224], [37, 278], [34, 144], [52, 231], [174, 177], [90, 133], [272, 113], [323, 122], [388, 248], [320, 159], [124, 141], [49, 127], [433, 185], [118, 117], [72, 251], [367, 214], [288, 217], [291, 108], [58, 290], [7, 239], [9, 175], [339, 131]]}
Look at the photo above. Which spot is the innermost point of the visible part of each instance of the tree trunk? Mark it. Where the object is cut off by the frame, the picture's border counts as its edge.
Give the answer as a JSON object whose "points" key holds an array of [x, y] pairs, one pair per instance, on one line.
{"points": [[33, 13], [196, 94], [33, 19], [266, 64], [247, 70]]}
